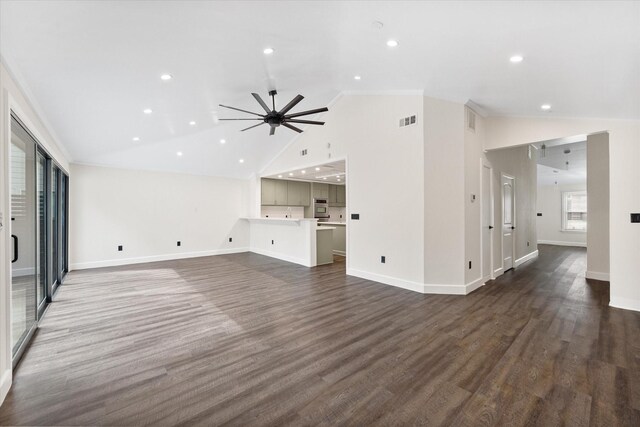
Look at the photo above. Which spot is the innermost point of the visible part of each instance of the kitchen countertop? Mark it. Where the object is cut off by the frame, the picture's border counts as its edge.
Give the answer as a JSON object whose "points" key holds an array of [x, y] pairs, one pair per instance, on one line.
{"points": [[280, 219], [332, 223], [325, 228]]}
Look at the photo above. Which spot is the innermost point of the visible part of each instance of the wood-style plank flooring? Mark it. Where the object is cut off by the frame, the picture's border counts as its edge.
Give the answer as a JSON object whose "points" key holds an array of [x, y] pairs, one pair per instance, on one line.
{"points": [[248, 340]]}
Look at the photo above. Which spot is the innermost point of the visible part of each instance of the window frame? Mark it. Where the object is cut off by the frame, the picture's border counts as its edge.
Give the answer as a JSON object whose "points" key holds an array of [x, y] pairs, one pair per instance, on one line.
{"points": [[564, 212]]}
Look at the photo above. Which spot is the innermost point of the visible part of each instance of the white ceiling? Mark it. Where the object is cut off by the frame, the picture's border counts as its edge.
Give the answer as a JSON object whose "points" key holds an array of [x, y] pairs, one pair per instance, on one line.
{"points": [[552, 168], [329, 173], [93, 66]]}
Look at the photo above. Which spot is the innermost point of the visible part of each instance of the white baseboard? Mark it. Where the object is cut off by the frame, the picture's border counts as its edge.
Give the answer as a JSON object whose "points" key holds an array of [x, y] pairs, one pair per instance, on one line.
{"points": [[423, 288], [596, 275], [559, 243], [154, 258], [472, 286], [526, 258], [625, 303], [5, 384], [341, 253], [282, 257], [498, 272]]}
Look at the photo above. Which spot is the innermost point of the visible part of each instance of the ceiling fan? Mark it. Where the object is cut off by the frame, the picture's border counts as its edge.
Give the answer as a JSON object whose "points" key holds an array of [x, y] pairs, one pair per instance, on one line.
{"points": [[276, 118]]}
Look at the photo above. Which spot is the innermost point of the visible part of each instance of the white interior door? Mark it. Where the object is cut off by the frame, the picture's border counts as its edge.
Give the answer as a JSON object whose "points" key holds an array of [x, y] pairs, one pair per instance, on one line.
{"points": [[508, 221], [487, 223]]}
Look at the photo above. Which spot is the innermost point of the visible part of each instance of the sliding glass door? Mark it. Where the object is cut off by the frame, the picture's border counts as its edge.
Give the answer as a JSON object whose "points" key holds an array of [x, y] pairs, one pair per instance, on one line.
{"points": [[25, 269], [39, 230]]}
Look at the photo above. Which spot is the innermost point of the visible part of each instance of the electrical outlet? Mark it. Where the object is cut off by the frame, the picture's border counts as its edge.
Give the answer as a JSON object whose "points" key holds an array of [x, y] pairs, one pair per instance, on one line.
{"points": [[469, 265], [178, 243], [383, 259], [527, 243], [272, 242], [230, 239], [119, 248]]}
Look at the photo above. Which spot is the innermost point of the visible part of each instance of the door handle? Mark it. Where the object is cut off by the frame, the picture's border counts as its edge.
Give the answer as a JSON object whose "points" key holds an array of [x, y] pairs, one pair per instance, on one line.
{"points": [[513, 228], [491, 227], [15, 248]]}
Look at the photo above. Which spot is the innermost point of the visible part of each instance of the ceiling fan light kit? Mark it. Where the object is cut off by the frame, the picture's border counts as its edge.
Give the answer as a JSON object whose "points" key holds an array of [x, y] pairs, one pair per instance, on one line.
{"points": [[276, 118]]}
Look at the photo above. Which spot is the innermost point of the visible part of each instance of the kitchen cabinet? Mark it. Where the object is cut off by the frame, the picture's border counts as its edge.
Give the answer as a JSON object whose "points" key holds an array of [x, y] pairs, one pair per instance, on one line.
{"points": [[337, 195], [339, 235], [274, 192], [320, 191], [299, 193]]}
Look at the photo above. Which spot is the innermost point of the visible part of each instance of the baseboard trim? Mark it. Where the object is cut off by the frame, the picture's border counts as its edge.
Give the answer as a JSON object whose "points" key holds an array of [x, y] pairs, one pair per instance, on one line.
{"points": [[498, 272], [527, 257], [597, 275], [341, 253], [560, 243], [154, 258], [472, 286], [280, 256], [5, 384], [625, 303], [423, 288]]}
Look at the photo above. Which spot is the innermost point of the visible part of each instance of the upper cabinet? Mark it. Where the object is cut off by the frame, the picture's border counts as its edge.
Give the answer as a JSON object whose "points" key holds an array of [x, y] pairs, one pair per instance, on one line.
{"points": [[277, 192], [337, 195], [320, 191]]}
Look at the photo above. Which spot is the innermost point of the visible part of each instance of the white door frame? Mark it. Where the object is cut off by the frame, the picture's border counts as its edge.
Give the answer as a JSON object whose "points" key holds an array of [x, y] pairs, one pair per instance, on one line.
{"points": [[485, 164], [513, 238]]}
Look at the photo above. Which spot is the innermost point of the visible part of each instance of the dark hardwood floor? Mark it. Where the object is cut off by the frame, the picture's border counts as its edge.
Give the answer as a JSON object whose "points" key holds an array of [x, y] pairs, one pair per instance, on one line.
{"points": [[248, 340]]}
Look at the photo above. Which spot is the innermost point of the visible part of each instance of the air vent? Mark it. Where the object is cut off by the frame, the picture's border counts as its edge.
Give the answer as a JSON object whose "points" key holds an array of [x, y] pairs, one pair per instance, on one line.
{"points": [[406, 121], [303, 152], [471, 120]]}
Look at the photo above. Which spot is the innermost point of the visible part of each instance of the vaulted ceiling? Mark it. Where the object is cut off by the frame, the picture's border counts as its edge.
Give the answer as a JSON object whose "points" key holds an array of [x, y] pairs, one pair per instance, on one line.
{"points": [[94, 66]]}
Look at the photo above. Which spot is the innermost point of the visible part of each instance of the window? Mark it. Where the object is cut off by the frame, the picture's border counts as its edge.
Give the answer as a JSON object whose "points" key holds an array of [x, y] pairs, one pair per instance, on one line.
{"points": [[574, 211]]}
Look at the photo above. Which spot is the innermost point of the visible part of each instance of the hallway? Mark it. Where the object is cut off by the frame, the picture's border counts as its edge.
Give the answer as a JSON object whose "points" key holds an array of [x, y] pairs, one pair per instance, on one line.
{"points": [[248, 340]]}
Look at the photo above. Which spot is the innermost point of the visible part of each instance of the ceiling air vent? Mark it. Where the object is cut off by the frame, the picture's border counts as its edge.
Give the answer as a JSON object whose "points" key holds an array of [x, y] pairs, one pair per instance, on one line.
{"points": [[471, 120], [406, 121], [303, 152]]}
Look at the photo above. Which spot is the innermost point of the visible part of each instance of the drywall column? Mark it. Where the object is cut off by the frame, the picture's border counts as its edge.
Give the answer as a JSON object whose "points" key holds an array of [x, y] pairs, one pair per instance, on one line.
{"points": [[598, 206]]}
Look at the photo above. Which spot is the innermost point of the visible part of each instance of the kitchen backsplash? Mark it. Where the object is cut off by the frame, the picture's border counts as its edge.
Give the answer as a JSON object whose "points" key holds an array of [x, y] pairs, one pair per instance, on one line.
{"points": [[282, 212], [338, 214]]}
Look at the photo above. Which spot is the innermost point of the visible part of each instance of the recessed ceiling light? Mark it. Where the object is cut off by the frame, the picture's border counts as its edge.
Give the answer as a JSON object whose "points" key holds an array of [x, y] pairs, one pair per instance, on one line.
{"points": [[545, 107], [241, 160], [290, 173], [317, 169], [357, 77], [279, 176], [338, 179], [268, 51], [222, 141], [325, 178], [166, 77], [192, 123], [392, 43], [516, 58], [147, 111], [135, 138], [304, 171], [179, 153]]}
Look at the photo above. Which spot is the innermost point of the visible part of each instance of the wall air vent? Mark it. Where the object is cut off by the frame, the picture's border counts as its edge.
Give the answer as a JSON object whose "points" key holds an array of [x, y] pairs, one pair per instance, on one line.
{"points": [[406, 121], [471, 120], [303, 152]]}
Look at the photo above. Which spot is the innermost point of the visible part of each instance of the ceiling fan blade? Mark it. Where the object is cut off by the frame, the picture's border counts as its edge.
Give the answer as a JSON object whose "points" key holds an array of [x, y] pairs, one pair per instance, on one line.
{"points": [[306, 113], [254, 126], [291, 104], [237, 109], [287, 125], [261, 102], [272, 131], [307, 122], [240, 119]]}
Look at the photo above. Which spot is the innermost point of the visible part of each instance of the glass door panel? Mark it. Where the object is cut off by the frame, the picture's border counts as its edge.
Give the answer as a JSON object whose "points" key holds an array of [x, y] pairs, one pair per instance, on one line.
{"points": [[62, 232], [24, 265], [55, 172], [41, 191]]}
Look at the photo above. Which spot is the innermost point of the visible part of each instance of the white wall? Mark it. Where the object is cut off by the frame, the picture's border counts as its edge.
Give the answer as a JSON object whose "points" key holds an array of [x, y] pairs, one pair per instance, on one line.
{"points": [[148, 212], [624, 186], [363, 129], [13, 97], [549, 225]]}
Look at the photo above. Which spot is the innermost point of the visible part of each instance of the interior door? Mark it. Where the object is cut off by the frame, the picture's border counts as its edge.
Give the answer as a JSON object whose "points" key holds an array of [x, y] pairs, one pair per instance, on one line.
{"points": [[487, 223], [508, 221]]}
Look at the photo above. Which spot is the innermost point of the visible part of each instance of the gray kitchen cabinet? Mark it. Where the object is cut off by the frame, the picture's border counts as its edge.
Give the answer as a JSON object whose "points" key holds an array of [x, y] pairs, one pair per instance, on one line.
{"points": [[320, 191], [274, 192], [299, 193], [337, 196]]}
